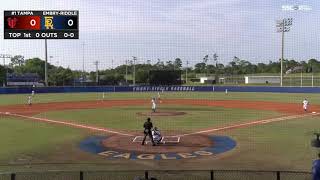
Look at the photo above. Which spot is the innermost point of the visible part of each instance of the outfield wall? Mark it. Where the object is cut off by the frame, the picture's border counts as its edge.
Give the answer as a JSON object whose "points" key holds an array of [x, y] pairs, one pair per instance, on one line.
{"points": [[25, 90]]}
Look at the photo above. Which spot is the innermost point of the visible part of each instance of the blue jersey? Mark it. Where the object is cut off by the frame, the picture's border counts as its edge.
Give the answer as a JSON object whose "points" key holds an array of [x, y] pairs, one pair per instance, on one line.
{"points": [[316, 170]]}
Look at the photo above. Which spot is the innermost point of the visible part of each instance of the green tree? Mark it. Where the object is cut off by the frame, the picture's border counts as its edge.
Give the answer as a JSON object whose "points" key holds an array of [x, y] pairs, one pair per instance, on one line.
{"points": [[60, 76], [17, 60], [34, 65], [3, 74], [159, 65], [313, 65], [177, 64], [142, 76], [169, 65], [200, 67]]}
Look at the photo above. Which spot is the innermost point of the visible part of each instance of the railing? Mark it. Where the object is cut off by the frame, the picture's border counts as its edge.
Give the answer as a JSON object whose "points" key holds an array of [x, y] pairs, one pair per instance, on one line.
{"points": [[159, 175]]}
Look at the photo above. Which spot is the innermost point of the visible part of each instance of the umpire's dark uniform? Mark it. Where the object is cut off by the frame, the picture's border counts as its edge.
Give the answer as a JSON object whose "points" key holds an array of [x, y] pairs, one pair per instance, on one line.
{"points": [[147, 131]]}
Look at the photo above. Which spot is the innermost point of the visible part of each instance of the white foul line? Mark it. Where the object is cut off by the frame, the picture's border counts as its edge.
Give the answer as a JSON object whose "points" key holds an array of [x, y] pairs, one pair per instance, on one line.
{"points": [[67, 123], [249, 123]]}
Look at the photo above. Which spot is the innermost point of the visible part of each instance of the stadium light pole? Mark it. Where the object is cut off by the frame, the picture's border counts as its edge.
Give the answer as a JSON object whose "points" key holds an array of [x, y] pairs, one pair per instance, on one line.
{"points": [[215, 58], [82, 63], [112, 64], [126, 72], [187, 72], [283, 26], [134, 70], [46, 63], [96, 63]]}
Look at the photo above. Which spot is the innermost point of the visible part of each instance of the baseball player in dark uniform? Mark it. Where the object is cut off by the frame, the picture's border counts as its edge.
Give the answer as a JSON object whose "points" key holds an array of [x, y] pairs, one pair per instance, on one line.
{"points": [[148, 131]]}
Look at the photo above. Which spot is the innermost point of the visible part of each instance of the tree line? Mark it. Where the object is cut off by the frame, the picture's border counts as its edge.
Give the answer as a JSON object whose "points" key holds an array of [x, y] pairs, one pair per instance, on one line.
{"points": [[123, 74]]}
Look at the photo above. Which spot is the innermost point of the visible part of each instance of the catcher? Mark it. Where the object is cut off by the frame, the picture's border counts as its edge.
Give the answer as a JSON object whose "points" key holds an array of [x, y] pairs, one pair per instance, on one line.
{"points": [[156, 135]]}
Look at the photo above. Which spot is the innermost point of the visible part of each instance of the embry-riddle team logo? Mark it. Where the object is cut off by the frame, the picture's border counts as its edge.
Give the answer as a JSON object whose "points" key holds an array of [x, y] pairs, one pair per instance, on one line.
{"points": [[12, 22]]}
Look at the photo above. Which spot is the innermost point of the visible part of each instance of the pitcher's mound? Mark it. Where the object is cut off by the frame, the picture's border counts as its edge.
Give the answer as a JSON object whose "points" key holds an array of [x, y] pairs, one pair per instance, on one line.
{"points": [[162, 113]]}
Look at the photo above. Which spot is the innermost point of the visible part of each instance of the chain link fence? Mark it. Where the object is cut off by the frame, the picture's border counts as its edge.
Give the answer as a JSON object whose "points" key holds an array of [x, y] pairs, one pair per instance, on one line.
{"points": [[159, 175], [305, 80]]}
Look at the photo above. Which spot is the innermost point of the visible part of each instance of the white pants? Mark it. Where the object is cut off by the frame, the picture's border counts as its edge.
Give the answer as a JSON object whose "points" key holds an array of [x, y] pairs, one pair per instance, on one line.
{"points": [[305, 107], [157, 138], [153, 106], [156, 135]]}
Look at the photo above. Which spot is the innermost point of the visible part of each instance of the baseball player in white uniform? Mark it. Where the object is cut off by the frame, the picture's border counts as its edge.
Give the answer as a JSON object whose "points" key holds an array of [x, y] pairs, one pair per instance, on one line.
{"points": [[154, 105], [30, 100], [156, 135], [32, 93], [159, 98], [305, 103]]}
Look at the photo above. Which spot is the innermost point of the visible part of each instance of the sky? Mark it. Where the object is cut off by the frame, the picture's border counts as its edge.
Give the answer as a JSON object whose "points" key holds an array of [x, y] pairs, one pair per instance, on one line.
{"points": [[112, 31]]}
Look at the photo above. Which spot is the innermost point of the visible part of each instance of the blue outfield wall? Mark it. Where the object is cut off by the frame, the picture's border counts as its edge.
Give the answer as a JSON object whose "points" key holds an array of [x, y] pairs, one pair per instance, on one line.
{"points": [[25, 90]]}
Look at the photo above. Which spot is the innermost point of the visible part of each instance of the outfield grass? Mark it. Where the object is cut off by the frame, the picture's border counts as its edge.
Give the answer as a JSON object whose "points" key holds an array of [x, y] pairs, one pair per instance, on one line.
{"points": [[246, 96], [126, 118]]}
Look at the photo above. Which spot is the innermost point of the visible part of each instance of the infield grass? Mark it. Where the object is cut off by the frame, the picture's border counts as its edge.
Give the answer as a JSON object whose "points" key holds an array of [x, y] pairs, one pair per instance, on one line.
{"points": [[126, 118]]}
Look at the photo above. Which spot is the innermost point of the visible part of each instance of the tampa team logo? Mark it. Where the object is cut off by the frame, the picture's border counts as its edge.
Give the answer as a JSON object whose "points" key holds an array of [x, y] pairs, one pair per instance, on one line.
{"points": [[12, 22]]}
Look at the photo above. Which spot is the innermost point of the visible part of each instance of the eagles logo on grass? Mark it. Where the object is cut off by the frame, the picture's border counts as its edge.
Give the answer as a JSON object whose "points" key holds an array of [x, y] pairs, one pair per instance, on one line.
{"points": [[170, 150]]}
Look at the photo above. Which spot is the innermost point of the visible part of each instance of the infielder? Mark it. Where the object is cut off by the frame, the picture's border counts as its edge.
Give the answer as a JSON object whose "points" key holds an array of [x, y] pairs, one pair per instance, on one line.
{"points": [[305, 103], [30, 100], [153, 104], [159, 97]]}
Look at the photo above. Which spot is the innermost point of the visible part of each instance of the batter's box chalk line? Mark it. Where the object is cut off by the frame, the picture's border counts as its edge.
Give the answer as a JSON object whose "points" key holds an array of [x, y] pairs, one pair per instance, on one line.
{"points": [[165, 139]]}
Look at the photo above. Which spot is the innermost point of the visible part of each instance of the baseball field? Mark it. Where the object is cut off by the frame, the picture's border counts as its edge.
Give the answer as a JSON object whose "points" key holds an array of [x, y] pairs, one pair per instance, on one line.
{"points": [[202, 130]]}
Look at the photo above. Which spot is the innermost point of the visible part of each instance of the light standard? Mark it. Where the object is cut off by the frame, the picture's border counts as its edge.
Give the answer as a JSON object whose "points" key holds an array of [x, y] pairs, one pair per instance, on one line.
{"points": [[46, 63], [126, 72], [83, 74], [96, 63], [187, 72], [215, 58], [283, 26], [134, 70]]}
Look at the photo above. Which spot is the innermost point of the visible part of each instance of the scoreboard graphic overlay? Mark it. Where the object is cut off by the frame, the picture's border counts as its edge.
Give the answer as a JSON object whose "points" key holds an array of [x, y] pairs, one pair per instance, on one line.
{"points": [[51, 24]]}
